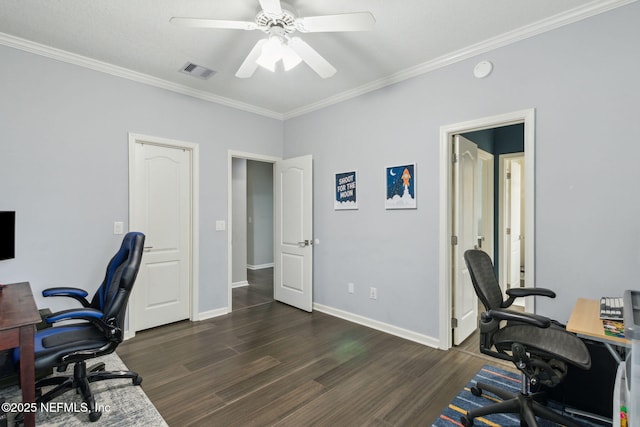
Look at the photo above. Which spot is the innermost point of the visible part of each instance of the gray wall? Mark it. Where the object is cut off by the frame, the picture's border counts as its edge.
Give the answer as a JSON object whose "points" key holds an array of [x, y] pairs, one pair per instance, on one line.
{"points": [[64, 167], [260, 211], [581, 79], [239, 213]]}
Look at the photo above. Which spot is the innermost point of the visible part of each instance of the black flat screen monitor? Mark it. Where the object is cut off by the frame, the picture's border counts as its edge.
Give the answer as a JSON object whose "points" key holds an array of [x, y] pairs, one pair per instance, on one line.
{"points": [[7, 235]]}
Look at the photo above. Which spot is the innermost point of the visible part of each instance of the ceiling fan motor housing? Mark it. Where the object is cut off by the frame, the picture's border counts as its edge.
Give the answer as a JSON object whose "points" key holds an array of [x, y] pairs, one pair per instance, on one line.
{"points": [[279, 25]]}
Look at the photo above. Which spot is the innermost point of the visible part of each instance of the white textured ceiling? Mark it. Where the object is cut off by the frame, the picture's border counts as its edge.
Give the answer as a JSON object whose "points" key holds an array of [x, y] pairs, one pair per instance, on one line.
{"points": [[134, 38]]}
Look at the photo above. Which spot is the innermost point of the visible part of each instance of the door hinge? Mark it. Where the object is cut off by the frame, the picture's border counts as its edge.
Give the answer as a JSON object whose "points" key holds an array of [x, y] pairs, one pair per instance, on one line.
{"points": [[508, 175], [508, 231], [454, 322], [454, 240], [454, 158]]}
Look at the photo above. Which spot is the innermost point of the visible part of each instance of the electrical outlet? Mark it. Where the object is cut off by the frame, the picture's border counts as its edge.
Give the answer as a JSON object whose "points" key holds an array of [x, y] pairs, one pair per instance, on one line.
{"points": [[373, 293], [351, 287]]}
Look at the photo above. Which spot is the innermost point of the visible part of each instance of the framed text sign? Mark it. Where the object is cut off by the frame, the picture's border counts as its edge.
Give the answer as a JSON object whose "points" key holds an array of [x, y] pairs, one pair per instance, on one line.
{"points": [[345, 191]]}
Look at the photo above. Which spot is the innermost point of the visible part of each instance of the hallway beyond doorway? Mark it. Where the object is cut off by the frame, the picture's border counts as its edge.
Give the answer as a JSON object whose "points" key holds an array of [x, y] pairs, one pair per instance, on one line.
{"points": [[259, 291]]}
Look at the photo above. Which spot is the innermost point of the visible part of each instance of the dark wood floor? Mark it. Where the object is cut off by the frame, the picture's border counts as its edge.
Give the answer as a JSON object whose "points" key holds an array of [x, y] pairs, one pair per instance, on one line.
{"points": [[271, 364]]}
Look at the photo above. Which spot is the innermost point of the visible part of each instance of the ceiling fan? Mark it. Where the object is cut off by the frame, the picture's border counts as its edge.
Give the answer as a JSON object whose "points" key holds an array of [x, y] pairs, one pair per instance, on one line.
{"points": [[279, 22]]}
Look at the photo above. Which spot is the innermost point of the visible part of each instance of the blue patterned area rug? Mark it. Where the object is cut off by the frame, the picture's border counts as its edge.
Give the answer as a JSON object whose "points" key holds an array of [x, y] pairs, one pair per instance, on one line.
{"points": [[465, 401], [122, 403]]}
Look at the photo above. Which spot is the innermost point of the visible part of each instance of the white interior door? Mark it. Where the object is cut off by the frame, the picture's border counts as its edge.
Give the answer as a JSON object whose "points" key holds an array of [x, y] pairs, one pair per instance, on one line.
{"points": [[161, 209], [465, 223], [513, 233], [293, 257], [485, 199]]}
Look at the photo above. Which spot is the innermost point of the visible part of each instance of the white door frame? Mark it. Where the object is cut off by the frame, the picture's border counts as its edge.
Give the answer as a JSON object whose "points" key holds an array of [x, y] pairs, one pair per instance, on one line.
{"points": [[194, 240], [231, 154], [446, 133], [502, 255]]}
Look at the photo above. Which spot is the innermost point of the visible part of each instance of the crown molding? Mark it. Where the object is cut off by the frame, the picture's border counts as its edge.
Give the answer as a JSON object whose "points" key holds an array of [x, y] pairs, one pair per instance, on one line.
{"points": [[577, 14], [114, 70]]}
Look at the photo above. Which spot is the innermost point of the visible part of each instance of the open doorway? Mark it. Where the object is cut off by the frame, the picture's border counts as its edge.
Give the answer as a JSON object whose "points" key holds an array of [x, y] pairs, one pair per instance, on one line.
{"points": [[503, 240], [251, 231], [493, 137], [292, 236]]}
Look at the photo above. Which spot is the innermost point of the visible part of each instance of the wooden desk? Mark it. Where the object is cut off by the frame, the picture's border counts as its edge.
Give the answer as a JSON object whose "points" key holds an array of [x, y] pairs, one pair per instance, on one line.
{"points": [[585, 322], [18, 317]]}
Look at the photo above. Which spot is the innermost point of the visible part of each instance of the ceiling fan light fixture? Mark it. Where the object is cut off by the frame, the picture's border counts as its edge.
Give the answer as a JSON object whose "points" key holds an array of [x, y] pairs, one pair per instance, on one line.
{"points": [[271, 53], [290, 59], [275, 50]]}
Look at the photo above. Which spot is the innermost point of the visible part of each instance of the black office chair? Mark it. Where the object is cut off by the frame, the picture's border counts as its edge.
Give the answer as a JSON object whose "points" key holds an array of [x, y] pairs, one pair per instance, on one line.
{"points": [[539, 347], [98, 333]]}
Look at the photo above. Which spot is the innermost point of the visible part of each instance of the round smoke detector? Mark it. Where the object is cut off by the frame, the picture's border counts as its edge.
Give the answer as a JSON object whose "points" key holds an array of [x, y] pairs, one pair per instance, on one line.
{"points": [[482, 69]]}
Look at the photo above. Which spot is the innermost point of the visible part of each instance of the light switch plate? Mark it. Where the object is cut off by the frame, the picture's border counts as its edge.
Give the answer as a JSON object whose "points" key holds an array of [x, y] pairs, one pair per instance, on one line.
{"points": [[118, 227], [221, 225]]}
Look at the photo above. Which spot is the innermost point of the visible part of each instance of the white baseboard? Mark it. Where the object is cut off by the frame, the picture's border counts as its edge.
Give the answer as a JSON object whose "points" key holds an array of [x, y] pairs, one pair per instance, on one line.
{"points": [[212, 313], [199, 316], [361, 320], [259, 266], [380, 326], [239, 284]]}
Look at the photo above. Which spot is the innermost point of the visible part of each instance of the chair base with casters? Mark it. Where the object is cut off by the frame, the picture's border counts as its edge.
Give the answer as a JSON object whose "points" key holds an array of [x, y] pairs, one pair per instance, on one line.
{"points": [[528, 405], [80, 381]]}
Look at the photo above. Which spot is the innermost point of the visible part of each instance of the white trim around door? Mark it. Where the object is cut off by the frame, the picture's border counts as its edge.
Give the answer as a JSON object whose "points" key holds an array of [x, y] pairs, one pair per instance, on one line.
{"points": [[446, 133], [194, 240]]}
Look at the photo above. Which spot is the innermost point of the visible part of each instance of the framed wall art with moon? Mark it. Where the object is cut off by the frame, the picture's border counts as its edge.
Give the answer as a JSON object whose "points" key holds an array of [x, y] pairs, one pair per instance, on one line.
{"points": [[401, 187]]}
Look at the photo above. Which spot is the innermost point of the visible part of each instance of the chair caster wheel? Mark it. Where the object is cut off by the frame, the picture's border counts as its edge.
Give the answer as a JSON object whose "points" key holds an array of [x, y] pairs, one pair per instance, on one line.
{"points": [[137, 380], [466, 421], [476, 391], [94, 416]]}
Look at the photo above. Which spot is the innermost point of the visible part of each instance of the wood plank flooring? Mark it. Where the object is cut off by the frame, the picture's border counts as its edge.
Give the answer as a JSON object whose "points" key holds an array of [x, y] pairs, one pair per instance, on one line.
{"points": [[271, 364]]}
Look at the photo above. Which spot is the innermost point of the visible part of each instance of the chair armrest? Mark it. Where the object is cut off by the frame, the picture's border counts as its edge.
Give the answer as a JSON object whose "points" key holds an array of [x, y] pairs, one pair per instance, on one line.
{"points": [[89, 314], [516, 316], [75, 293], [525, 292]]}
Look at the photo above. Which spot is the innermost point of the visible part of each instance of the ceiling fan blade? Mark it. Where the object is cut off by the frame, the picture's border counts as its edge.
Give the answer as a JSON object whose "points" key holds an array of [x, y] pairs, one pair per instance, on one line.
{"points": [[249, 65], [357, 21], [312, 58], [271, 7], [213, 23]]}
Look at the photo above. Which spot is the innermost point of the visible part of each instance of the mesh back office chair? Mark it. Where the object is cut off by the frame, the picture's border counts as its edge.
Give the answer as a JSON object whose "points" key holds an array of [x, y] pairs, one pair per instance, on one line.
{"points": [[96, 332], [539, 348]]}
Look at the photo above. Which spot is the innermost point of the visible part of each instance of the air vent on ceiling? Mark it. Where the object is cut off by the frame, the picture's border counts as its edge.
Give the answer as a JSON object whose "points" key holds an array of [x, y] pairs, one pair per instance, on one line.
{"points": [[197, 71]]}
